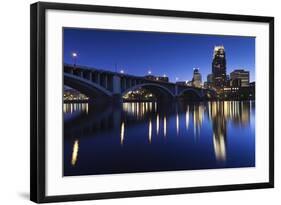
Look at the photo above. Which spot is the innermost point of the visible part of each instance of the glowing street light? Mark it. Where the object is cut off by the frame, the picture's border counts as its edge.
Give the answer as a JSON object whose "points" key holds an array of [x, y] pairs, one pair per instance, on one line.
{"points": [[122, 71], [74, 56], [149, 72], [164, 75]]}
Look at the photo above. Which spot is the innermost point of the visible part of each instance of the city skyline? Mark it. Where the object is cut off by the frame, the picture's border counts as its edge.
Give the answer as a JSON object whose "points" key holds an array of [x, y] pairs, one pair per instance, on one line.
{"points": [[171, 54], [121, 110]]}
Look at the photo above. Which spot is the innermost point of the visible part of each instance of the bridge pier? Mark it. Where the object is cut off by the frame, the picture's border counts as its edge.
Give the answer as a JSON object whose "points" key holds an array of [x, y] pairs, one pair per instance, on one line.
{"points": [[91, 76], [116, 98], [81, 74], [105, 81], [97, 78], [176, 90], [176, 98], [116, 81]]}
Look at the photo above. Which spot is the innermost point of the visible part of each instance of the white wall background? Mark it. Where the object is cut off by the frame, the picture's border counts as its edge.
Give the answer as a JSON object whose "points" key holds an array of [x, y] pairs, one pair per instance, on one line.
{"points": [[14, 100]]}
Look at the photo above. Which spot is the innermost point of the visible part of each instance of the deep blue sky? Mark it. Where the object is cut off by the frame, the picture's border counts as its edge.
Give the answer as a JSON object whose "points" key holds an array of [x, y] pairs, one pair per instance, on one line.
{"points": [[163, 53]]}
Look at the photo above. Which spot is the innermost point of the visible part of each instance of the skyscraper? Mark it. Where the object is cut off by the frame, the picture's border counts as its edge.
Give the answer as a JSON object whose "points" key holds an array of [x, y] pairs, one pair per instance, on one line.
{"points": [[209, 82], [210, 79], [197, 78], [219, 67]]}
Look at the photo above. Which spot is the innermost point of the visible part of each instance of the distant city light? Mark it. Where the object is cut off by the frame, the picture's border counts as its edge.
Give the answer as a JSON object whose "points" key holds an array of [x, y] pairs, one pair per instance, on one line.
{"points": [[122, 71], [149, 72]]}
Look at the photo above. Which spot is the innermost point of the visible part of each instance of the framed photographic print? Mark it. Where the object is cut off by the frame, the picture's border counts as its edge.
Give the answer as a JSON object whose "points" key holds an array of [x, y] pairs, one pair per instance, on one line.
{"points": [[129, 102]]}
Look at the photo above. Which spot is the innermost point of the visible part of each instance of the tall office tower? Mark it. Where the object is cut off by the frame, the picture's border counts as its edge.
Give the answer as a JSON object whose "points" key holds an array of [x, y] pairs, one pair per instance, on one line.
{"points": [[197, 78], [219, 67], [210, 79]]}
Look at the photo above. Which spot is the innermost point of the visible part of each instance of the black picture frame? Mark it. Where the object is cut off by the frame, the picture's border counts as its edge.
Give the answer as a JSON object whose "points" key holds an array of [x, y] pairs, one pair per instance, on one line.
{"points": [[38, 101]]}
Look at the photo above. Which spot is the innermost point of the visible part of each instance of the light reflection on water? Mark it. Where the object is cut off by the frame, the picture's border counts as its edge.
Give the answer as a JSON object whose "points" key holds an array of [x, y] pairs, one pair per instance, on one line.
{"points": [[75, 152], [73, 107], [122, 133], [215, 135]]}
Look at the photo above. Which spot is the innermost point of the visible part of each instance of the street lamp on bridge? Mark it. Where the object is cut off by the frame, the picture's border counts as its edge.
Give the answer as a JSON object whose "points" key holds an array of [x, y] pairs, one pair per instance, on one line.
{"points": [[74, 56]]}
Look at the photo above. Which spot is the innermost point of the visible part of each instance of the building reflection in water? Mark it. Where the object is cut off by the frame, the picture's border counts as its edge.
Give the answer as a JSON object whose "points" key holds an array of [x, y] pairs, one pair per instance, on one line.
{"points": [[165, 126], [122, 131], [177, 123], [157, 124], [73, 107], [139, 109], [149, 130], [221, 113], [198, 116], [187, 118], [75, 152], [218, 114]]}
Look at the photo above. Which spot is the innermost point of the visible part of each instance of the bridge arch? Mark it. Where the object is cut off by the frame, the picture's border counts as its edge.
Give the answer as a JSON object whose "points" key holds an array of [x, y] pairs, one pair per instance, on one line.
{"points": [[161, 92], [191, 93], [89, 88]]}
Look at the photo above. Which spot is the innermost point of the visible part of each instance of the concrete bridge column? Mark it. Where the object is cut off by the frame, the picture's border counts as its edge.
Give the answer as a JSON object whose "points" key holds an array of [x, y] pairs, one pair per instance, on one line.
{"points": [[91, 76], [105, 81], [116, 81], [98, 78], [121, 84], [86, 75], [116, 85], [71, 71], [124, 84], [176, 90], [134, 82]]}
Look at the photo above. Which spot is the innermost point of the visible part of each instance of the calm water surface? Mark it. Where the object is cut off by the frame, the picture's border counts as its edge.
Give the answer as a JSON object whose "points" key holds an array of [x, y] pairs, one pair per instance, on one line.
{"points": [[150, 136]]}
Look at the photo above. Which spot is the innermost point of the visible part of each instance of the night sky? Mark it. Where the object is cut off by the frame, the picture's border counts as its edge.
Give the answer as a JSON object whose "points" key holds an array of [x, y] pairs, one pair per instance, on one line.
{"points": [[174, 55]]}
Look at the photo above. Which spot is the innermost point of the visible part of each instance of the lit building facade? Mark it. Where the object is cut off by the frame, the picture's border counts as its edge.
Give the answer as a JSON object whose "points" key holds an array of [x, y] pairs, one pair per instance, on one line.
{"points": [[219, 67], [157, 78], [197, 78], [240, 78], [189, 83]]}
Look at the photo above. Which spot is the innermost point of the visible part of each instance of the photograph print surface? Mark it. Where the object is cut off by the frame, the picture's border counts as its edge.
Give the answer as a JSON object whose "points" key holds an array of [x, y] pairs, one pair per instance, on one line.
{"points": [[137, 101]]}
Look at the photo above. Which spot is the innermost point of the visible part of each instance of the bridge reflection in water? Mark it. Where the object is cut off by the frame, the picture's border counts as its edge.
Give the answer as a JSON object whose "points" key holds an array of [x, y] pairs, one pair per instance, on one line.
{"points": [[150, 136]]}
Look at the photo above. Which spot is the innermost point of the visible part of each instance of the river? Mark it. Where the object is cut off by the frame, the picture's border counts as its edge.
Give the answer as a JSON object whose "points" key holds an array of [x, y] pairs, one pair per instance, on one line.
{"points": [[150, 136]]}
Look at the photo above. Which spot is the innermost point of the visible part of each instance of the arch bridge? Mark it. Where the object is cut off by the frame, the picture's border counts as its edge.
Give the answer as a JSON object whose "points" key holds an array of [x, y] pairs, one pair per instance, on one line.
{"points": [[107, 85]]}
